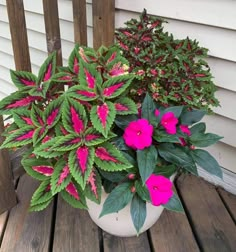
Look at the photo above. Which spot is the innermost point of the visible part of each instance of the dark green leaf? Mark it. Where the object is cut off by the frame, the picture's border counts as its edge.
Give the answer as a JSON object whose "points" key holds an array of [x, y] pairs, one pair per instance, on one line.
{"points": [[142, 190], [123, 121], [148, 110], [204, 140], [191, 117], [174, 204], [198, 128], [166, 171]]}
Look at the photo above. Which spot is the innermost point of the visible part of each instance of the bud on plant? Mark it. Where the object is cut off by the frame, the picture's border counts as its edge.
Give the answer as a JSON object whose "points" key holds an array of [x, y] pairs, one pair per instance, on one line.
{"points": [[131, 176], [133, 189]]}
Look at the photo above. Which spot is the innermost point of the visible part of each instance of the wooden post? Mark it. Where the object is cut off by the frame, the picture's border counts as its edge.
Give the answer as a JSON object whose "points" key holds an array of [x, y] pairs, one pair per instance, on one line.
{"points": [[103, 22], [80, 22], [52, 27], [7, 191]]}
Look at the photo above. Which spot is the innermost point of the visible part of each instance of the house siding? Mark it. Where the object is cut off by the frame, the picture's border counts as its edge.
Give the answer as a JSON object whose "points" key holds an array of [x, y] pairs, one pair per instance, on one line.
{"points": [[212, 23]]}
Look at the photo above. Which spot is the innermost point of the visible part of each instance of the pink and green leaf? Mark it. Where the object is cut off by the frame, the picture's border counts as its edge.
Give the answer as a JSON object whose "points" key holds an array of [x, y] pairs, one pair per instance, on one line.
{"points": [[61, 177], [102, 117], [23, 118], [41, 206], [39, 134], [19, 137], [37, 116], [74, 116], [47, 69], [66, 143], [23, 79], [82, 93], [42, 194], [93, 137], [40, 91], [74, 195], [52, 113], [38, 168], [116, 86], [81, 163], [109, 158], [125, 106], [74, 60], [93, 187]]}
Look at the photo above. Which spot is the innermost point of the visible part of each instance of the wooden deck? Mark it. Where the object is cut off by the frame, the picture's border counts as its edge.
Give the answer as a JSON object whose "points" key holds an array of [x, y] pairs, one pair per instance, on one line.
{"points": [[208, 225]]}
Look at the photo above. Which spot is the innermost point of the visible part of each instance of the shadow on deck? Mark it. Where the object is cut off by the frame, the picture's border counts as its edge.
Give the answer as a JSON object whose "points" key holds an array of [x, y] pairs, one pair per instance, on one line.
{"points": [[208, 225]]}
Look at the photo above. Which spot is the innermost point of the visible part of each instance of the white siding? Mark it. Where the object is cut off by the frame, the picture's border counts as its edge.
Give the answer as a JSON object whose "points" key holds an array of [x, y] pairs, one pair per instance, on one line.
{"points": [[212, 23]]}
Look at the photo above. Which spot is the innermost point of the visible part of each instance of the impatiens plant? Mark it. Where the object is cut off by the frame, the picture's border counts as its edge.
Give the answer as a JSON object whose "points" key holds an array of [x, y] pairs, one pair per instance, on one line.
{"points": [[85, 127]]}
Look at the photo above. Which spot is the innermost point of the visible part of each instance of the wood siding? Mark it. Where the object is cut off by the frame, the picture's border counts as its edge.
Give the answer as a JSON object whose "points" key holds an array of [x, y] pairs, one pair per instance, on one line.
{"points": [[212, 24]]}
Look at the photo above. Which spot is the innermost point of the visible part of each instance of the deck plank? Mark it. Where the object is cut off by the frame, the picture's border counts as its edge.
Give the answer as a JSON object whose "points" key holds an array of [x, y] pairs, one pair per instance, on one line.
{"points": [[230, 201], [169, 232], [27, 231], [132, 244], [3, 220], [74, 230], [212, 223]]}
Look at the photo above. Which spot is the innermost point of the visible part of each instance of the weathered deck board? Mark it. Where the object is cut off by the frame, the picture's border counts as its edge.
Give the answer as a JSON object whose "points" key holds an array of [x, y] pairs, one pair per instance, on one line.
{"points": [[170, 231], [27, 231], [212, 223], [3, 221], [74, 230], [133, 244], [230, 201]]}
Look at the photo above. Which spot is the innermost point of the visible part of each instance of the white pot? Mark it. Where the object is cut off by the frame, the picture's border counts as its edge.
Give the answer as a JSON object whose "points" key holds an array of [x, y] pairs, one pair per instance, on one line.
{"points": [[120, 223]]}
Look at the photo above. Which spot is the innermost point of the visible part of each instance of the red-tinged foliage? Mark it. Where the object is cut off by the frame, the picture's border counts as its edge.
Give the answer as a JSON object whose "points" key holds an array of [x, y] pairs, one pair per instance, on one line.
{"points": [[63, 175], [71, 189], [90, 79], [22, 103], [77, 122], [103, 111], [52, 117], [26, 136], [76, 66], [82, 154], [91, 137], [27, 120], [121, 107], [89, 94], [27, 82], [48, 73], [113, 56], [111, 90], [92, 183], [104, 155], [44, 169]]}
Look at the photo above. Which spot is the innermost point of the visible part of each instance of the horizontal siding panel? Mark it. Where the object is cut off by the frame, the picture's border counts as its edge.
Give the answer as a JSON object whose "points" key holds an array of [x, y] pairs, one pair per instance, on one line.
{"points": [[210, 37], [222, 126], [7, 87], [205, 12], [224, 154]]}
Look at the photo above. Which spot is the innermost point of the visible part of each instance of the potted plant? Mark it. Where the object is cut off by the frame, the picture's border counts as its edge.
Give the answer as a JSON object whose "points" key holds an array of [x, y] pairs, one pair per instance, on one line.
{"points": [[115, 124]]}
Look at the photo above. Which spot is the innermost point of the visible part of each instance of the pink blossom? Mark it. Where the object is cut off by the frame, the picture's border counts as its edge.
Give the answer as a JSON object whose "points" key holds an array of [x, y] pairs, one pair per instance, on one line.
{"points": [[169, 121], [185, 129], [157, 112], [160, 189], [182, 141], [138, 134]]}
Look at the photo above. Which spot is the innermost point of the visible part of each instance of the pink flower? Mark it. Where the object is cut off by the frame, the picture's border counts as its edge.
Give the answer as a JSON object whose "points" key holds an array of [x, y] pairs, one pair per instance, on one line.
{"points": [[182, 141], [160, 189], [185, 129], [157, 112], [169, 121], [138, 134]]}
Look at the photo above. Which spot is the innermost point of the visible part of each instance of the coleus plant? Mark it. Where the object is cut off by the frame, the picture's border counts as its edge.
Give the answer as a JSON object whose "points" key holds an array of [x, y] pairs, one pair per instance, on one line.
{"points": [[84, 132]]}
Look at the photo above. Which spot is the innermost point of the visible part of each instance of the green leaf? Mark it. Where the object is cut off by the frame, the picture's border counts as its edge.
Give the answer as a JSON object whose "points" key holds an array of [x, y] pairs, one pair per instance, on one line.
{"points": [[120, 143], [61, 177], [19, 137], [66, 143], [23, 118], [167, 170], [207, 162], [93, 189], [37, 116], [47, 69], [93, 137], [102, 117], [42, 91], [115, 86], [148, 110], [117, 199], [125, 106], [42, 194], [23, 79], [204, 140], [177, 110], [147, 161], [82, 93], [162, 137], [174, 204], [74, 196], [191, 117], [123, 121], [142, 190], [81, 164], [40, 207], [74, 60], [113, 176], [74, 117], [138, 212], [39, 134], [108, 158], [178, 156], [198, 128]]}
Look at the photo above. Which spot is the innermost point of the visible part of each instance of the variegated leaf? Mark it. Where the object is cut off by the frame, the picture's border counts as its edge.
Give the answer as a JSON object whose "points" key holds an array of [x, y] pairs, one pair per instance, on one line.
{"points": [[74, 116], [40, 207], [81, 164], [61, 177], [66, 143], [93, 187], [39, 134], [53, 112], [9, 129], [47, 69], [102, 117], [74, 60], [109, 158], [60, 129], [42, 194], [93, 137], [37, 116], [38, 168], [82, 93], [17, 101], [44, 150], [116, 86], [125, 106], [19, 137], [23, 79], [74, 195], [40, 91], [23, 118]]}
